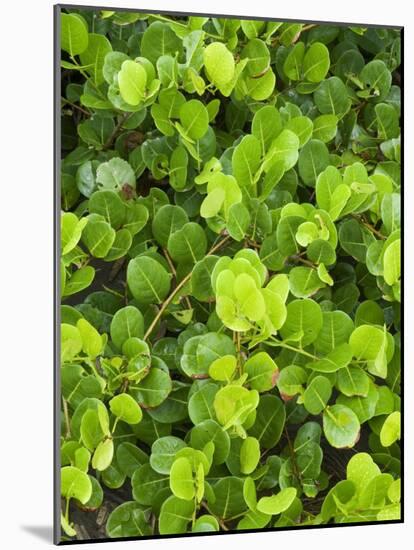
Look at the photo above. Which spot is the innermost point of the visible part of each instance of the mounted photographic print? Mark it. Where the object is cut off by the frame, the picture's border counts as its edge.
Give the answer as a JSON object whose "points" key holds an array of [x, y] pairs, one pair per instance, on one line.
{"points": [[228, 267]]}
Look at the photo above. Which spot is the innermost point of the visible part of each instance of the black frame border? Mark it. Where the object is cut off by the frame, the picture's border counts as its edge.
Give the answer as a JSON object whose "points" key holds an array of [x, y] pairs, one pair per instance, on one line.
{"points": [[56, 276]]}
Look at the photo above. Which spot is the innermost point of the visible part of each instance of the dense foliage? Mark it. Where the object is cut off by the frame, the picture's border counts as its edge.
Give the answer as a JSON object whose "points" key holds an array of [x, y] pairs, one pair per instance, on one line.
{"points": [[230, 273]]}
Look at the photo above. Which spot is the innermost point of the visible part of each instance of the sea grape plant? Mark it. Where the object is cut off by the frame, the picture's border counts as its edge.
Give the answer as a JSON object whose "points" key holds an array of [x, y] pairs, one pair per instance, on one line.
{"points": [[230, 274]]}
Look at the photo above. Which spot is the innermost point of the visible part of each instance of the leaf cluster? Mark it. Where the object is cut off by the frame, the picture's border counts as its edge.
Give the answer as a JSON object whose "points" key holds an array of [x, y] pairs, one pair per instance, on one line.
{"points": [[230, 272]]}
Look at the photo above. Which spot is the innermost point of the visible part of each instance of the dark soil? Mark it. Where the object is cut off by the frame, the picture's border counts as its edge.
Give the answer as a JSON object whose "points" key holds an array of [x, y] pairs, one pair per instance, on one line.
{"points": [[90, 524]]}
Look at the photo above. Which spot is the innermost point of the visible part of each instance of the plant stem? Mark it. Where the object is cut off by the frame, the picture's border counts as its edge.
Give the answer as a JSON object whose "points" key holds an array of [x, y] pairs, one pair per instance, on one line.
{"points": [[303, 261], [180, 285], [308, 27], [218, 245], [238, 348], [111, 138], [66, 413], [115, 424], [370, 227], [174, 272], [84, 111], [221, 522], [67, 509], [292, 348], [166, 303], [292, 456]]}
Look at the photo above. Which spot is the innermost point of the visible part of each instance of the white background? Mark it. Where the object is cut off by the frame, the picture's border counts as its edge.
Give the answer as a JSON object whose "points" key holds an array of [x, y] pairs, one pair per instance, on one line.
{"points": [[26, 307]]}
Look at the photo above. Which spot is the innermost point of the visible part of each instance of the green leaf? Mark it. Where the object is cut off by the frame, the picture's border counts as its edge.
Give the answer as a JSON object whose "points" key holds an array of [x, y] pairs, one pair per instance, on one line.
{"points": [[392, 262], [212, 346], [92, 342], [304, 281], [291, 381], [341, 426], [316, 62], [201, 404], [178, 168], [332, 97], [249, 455], [377, 78], [146, 484], [246, 160], [260, 88], [75, 484], [266, 126], [317, 395], [355, 239], [175, 515], [332, 195], [302, 126], [258, 57], [194, 118], [337, 498], [114, 174], [73, 34], [249, 493], [363, 407], [67, 528], [223, 368], [158, 40], [276, 504], [269, 422], [353, 381], [336, 329], [337, 359], [129, 519], [129, 457], [205, 523], [108, 204], [126, 323], [188, 244], [136, 218], [71, 230], [390, 211], [325, 127], [163, 453], [71, 342], [181, 479], [112, 65], [210, 431], [219, 64], [238, 221], [232, 404], [93, 57], [152, 390], [391, 429], [292, 66], [284, 148], [313, 159], [168, 219], [201, 287], [369, 343], [262, 372], [132, 80], [228, 498], [387, 121], [285, 232], [252, 28], [98, 237], [148, 280], [304, 317], [361, 469], [102, 457], [124, 407]]}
